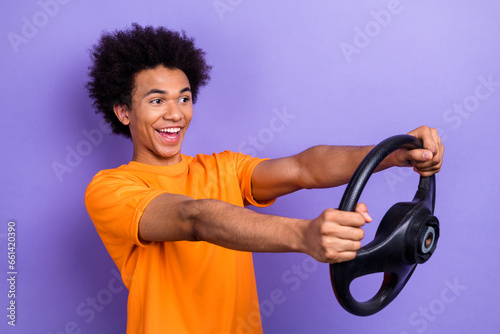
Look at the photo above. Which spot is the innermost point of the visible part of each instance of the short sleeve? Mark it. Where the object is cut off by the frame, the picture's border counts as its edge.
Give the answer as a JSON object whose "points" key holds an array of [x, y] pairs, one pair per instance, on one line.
{"points": [[115, 204], [245, 165]]}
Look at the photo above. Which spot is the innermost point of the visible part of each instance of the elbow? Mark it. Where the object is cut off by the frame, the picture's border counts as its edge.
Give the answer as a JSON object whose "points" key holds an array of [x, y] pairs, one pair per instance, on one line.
{"points": [[191, 213], [170, 218]]}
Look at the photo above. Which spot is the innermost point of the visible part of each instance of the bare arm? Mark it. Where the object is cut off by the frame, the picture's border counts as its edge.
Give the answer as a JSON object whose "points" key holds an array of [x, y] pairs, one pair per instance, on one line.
{"points": [[334, 236], [317, 167], [330, 166]]}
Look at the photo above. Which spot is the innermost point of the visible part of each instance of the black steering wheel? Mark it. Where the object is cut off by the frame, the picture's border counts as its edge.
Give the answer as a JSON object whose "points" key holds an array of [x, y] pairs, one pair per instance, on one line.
{"points": [[406, 236]]}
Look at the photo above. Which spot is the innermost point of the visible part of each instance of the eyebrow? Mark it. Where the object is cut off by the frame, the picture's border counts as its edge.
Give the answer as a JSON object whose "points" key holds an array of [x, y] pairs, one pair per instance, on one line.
{"points": [[159, 91]]}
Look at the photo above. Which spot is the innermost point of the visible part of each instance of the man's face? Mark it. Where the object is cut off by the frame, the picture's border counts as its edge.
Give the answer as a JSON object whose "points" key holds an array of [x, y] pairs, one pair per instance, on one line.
{"points": [[159, 116]]}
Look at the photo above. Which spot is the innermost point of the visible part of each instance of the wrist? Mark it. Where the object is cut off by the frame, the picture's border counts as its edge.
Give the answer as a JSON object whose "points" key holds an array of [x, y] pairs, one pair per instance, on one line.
{"points": [[392, 160], [301, 232]]}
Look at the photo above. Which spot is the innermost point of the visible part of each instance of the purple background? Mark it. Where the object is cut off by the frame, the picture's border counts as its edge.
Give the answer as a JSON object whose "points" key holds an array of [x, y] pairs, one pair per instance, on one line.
{"points": [[343, 73]]}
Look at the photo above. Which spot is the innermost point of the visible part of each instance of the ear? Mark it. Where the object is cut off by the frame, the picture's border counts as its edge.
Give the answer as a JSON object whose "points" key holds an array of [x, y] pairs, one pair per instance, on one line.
{"points": [[121, 111]]}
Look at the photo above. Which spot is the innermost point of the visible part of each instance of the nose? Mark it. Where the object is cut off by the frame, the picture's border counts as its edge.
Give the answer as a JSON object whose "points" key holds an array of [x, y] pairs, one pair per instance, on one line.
{"points": [[172, 112]]}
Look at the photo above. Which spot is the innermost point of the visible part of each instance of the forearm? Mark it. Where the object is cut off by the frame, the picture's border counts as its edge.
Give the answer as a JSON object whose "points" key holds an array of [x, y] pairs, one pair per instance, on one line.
{"points": [[242, 229], [331, 166], [174, 217], [334, 236]]}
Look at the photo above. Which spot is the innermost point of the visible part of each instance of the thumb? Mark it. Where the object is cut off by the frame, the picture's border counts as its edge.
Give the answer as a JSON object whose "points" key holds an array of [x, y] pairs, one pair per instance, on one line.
{"points": [[409, 157], [418, 155]]}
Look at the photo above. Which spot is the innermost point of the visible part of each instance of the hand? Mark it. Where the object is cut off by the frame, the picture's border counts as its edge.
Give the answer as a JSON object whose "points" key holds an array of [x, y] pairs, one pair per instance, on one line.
{"points": [[426, 161], [335, 235]]}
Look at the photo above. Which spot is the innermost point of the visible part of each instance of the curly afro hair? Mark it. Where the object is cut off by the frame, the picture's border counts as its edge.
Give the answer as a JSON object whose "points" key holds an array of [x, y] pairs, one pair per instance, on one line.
{"points": [[119, 56]]}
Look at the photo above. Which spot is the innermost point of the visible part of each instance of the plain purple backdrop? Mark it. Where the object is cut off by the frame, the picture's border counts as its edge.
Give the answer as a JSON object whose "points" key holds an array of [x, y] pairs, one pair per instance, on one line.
{"points": [[286, 76]]}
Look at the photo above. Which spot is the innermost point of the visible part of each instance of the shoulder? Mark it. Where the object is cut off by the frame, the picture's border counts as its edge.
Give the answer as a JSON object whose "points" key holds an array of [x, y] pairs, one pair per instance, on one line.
{"points": [[235, 159], [112, 179], [118, 172]]}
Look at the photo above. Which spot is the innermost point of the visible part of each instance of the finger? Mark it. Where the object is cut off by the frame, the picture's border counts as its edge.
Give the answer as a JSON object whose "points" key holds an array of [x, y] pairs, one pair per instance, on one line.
{"points": [[426, 173], [345, 218], [347, 233], [435, 136], [340, 257], [341, 238], [332, 249], [440, 153], [419, 155], [429, 138], [428, 164], [341, 251], [433, 165], [361, 208], [430, 141], [346, 256]]}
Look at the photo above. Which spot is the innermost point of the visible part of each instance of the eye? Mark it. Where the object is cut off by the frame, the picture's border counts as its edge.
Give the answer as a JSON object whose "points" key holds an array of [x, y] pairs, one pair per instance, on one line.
{"points": [[184, 99], [156, 101]]}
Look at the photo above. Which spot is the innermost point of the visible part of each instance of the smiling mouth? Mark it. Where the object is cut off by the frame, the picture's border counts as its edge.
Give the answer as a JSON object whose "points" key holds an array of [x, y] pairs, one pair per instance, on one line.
{"points": [[170, 133]]}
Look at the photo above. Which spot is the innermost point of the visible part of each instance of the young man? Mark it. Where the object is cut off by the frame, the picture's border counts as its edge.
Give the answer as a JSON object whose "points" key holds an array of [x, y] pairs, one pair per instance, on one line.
{"points": [[176, 225]]}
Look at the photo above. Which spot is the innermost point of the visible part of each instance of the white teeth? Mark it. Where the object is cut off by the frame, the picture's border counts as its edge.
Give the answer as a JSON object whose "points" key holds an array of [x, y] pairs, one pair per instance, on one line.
{"points": [[170, 130]]}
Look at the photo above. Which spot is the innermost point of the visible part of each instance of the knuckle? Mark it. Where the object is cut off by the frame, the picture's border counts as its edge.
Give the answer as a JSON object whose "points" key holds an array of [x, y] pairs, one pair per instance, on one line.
{"points": [[352, 245], [328, 214], [361, 206], [361, 234], [324, 229], [329, 255], [359, 220], [325, 244], [329, 211], [328, 228]]}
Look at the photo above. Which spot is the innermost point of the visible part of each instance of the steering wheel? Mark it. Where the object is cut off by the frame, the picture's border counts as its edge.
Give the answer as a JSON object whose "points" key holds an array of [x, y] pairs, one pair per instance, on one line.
{"points": [[406, 236]]}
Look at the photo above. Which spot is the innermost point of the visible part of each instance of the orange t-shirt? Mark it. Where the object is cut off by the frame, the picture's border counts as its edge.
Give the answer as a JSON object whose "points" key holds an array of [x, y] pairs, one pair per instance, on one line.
{"points": [[178, 287]]}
